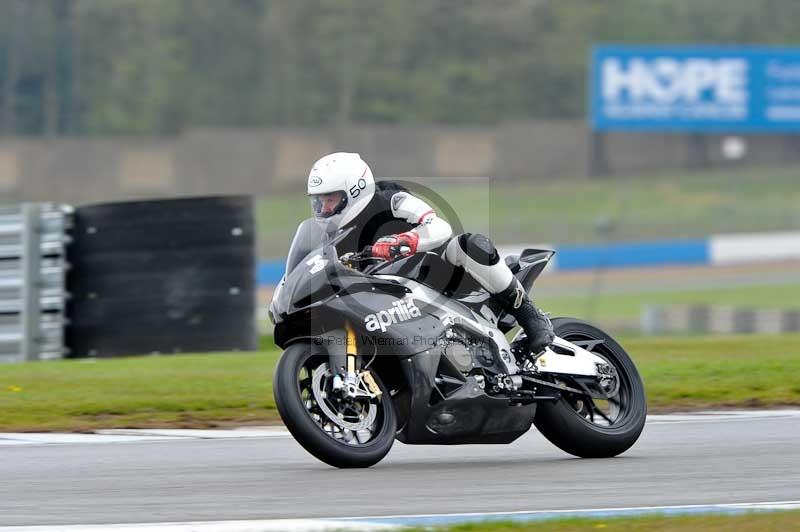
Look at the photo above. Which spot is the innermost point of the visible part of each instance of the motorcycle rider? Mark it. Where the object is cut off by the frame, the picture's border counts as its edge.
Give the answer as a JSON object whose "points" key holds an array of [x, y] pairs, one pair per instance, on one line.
{"points": [[343, 192]]}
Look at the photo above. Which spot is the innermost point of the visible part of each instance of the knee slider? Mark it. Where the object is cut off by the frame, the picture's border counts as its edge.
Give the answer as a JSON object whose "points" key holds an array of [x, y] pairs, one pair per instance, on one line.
{"points": [[479, 248]]}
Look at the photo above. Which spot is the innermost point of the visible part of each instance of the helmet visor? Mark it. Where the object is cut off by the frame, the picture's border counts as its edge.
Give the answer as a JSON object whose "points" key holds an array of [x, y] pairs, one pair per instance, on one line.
{"points": [[328, 204]]}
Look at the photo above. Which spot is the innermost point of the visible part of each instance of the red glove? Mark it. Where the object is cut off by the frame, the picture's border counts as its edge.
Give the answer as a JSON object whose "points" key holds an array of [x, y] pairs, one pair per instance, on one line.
{"points": [[392, 246]]}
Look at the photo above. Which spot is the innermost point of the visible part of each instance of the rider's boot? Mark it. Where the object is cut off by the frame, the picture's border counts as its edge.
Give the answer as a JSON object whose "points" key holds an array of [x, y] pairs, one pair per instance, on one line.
{"points": [[534, 322]]}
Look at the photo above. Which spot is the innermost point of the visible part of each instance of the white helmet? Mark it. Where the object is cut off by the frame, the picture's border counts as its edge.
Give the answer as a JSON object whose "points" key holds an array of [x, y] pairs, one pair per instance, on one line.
{"points": [[340, 186]]}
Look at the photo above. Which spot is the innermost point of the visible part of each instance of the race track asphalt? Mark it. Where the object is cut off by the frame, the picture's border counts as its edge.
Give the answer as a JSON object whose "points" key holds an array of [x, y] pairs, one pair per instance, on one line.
{"points": [[678, 460]]}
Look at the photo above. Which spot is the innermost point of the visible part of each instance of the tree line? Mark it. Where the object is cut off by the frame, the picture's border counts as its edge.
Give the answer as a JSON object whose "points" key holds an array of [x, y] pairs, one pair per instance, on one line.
{"points": [[156, 67]]}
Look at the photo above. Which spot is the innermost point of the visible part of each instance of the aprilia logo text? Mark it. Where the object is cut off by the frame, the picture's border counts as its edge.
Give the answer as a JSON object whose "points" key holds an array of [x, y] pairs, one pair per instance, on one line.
{"points": [[402, 310]]}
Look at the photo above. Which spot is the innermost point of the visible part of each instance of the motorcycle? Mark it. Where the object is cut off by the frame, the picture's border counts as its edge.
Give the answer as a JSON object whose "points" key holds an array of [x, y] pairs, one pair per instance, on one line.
{"points": [[414, 349]]}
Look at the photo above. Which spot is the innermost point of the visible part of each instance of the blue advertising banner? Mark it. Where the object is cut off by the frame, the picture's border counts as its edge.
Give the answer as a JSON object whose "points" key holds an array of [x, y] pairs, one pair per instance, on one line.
{"points": [[695, 89]]}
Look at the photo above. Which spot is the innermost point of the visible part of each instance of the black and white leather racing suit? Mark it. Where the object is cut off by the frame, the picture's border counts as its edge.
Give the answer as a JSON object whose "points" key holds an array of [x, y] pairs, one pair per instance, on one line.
{"points": [[394, 210]]}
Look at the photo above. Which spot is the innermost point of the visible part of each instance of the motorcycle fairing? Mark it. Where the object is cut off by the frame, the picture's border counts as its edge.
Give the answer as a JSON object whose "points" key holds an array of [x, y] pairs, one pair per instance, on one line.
{"points": [[464, 415], [355, 303], [526, 267], [312, 304], [454, 312], [434, 272], [457, 410], [564, 357]]}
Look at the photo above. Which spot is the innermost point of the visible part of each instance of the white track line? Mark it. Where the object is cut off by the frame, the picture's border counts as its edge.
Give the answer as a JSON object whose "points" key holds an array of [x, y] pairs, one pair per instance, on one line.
{"points": [[716, 416], [139, 435], [581, 512], [254, 432], [272, 525], [144, 435], [375, 523]]}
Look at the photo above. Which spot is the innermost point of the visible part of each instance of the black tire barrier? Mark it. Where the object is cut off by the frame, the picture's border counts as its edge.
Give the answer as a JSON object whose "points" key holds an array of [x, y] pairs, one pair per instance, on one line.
{"points": [[165, 276]]}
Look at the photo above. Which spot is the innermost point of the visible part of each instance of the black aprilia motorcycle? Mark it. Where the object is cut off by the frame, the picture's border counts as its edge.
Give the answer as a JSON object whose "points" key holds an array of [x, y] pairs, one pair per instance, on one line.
{"points": [[415, 349]]}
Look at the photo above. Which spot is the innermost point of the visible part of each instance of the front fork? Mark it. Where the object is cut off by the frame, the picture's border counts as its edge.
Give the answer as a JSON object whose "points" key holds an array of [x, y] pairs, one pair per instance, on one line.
{"points": [[347, 380], [349, 384]]}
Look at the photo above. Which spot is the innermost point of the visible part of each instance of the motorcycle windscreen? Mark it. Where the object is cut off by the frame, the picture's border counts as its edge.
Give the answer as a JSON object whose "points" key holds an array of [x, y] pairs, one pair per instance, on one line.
{"points": [[309, 237], [310, 268]]}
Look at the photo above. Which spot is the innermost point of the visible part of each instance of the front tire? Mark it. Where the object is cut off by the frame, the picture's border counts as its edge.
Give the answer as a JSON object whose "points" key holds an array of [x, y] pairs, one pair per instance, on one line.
{"points": [[580, 427], [300, 368]]}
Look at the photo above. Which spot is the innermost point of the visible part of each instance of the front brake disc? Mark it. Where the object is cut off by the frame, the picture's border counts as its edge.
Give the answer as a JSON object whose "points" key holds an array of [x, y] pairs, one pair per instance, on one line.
{"points": [[365, 422]]}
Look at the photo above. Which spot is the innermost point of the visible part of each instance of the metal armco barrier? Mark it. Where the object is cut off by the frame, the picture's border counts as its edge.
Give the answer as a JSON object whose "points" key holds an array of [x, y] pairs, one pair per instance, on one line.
{"points": [[33, 266], [718, 320]]}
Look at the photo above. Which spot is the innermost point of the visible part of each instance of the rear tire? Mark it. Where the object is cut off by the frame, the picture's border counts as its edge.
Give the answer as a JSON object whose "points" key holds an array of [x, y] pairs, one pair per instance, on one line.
{"points": [[572, 432], [291, 405]]}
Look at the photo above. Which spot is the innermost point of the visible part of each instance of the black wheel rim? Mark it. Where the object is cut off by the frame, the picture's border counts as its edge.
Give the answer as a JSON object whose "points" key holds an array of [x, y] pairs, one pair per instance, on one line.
{"points": [[355, 423], [606, 413]]}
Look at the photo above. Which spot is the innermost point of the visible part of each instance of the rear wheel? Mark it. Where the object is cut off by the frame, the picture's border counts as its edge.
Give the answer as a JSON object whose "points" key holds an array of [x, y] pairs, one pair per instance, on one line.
{"points": [[341, 432], [590, 427]]}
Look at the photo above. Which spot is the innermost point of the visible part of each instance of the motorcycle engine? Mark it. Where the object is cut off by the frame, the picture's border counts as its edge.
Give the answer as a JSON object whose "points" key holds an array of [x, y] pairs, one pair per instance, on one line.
{"points": [[469, 352]]}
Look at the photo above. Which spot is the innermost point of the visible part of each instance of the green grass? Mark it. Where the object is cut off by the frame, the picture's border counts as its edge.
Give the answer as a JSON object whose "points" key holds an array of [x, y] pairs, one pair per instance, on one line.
{"points": [[235, 388], [674, 205], [751, 522], [612, 307], [705, 372], [181, 390]]}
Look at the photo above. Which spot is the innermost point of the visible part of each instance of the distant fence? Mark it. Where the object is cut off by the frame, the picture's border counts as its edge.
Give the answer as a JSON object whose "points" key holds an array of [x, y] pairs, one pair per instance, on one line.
{"points": [[259, 161], [718, 250]]}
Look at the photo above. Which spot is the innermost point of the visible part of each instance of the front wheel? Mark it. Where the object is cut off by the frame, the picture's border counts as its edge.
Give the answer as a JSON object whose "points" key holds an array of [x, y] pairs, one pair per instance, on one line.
{"points": [[592, 428], [340, 432]]}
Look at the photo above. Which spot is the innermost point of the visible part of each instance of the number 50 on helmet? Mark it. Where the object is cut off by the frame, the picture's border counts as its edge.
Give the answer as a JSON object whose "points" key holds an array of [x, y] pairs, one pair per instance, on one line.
{"points": [[340, 185]]}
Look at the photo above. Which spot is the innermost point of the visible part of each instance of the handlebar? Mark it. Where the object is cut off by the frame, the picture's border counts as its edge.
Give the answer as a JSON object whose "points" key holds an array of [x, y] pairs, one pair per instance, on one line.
{"points": [[366, 255], [360, 256]]}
